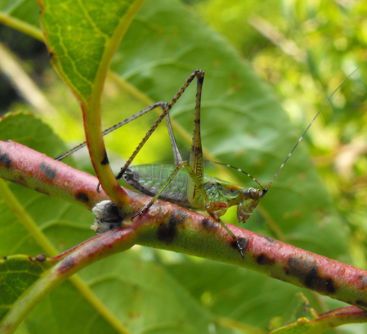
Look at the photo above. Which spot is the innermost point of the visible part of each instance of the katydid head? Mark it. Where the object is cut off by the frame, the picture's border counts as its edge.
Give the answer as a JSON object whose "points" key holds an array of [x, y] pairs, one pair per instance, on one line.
{"points": [[222, 195]]}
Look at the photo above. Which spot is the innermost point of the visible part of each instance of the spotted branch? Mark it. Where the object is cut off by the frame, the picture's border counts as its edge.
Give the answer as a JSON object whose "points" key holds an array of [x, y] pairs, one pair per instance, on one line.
{"points": [[168, 226]]}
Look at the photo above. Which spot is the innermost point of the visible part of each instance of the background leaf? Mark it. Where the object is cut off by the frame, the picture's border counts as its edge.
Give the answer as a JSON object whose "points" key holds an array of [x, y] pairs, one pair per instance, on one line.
{"points": [[17, 273]]}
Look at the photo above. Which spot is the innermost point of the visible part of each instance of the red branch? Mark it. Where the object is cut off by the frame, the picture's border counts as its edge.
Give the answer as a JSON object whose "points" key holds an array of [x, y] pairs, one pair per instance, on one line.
{"points": [[171, 227]]}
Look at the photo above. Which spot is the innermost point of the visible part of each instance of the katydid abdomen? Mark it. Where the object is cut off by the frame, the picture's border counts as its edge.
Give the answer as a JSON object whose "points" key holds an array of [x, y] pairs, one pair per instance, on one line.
{"points": [[150, 179]]}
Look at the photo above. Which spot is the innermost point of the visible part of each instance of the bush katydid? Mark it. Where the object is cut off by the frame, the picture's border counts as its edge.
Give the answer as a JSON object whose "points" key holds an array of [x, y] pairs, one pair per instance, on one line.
{"points": [[185, 182]]}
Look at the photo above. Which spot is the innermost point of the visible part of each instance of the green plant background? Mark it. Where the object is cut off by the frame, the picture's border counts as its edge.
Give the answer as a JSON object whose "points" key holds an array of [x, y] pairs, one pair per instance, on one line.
{"points": [[243, 124]]}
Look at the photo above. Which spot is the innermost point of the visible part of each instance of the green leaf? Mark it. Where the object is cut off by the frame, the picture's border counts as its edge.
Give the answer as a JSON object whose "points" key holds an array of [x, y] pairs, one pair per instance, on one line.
{"points": [[93, 25], [148, 298], [17, 274], [28, 130], [239, 295]]}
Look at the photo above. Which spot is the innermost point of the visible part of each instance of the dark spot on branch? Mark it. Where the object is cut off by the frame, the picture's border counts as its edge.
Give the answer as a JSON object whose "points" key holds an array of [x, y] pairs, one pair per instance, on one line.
{"points": [[263, 259], [105, 160], [294, 267], [5, 258], [5, 159], [209, 224], [363, 279], [269, 239], [82, 196], [316, 282], [48, 171], [307, 273], [168, 231]]}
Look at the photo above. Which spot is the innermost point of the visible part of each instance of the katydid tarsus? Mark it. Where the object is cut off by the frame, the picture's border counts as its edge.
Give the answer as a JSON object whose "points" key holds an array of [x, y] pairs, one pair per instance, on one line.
{"points": [[185, 182]]}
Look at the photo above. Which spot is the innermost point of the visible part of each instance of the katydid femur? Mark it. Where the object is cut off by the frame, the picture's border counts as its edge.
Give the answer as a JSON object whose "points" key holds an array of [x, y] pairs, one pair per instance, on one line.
{"points": [[185, 183]]}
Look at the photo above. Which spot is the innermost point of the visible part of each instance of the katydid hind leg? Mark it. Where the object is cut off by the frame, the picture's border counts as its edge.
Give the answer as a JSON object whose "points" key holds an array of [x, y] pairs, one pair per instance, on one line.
{"points": [[196, 74], [196, 155]]}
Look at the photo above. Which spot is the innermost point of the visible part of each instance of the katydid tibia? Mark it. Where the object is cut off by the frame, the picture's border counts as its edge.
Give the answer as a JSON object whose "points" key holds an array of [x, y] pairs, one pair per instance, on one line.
{"points": [[185, 182]]}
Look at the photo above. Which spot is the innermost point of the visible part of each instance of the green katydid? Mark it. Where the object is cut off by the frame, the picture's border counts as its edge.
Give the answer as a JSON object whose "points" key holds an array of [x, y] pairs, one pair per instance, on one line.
{"points": [[185, 182]]}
